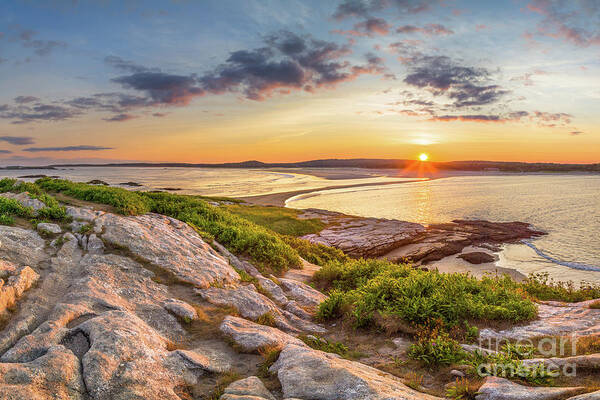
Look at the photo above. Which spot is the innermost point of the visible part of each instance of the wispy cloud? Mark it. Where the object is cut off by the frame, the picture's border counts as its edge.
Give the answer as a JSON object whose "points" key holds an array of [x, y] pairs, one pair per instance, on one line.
{"points": [[17, 140], [67, 148]]}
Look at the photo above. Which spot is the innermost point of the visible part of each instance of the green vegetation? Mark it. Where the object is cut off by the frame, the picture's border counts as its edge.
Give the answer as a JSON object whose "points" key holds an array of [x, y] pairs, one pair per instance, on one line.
{"points": [[322, 344], [542, 287], [85, 229], [462, 389], [377, 293], [11, 207], [52, 211], [278, 219], [6, 219], [318, 254], [436, 348], [124, 201], [266, 319]]}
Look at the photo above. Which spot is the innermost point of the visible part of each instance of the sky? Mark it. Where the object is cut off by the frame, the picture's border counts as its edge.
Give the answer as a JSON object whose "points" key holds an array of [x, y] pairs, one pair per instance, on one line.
{"points": [[291, 80]]}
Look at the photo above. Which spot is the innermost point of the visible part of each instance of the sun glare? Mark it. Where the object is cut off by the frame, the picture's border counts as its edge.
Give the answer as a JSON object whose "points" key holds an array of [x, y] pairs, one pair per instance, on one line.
{"points": [[423, 157]]}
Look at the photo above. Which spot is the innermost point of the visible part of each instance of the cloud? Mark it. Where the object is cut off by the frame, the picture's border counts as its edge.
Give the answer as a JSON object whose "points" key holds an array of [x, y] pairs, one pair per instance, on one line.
{"points": [[163, 88], [526, 78], [5, 152], [120, 118], [159, 115], [25, 113], [429, 30], [551, 120], [364, 8], [25, 99], [67, 148], [575, 133], [41, 47], [124, 65], [465, 86], [576, 22], [17, 140], [370, 27], [287, 62]]}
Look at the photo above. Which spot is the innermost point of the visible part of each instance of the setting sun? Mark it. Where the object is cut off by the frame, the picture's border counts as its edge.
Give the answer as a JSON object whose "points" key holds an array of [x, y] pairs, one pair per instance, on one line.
{"points": [[423, 157]]}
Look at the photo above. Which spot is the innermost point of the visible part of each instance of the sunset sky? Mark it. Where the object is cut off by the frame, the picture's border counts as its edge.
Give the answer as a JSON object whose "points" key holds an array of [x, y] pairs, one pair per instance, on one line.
{"points": [[291, 80]]}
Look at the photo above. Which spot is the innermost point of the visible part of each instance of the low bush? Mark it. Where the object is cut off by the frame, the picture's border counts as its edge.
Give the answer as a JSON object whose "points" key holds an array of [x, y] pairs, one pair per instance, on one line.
{"points": [[542, 287], [11, 207], [6, 219], [374, 287], [436, 348]]}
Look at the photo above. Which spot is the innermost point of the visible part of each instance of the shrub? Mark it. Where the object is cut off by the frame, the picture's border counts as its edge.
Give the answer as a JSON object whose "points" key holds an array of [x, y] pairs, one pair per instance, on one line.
{"points": [[436, 348], [418, 297], [542, 287], [322, 344], [6, 219], [266, 319], [14, 208]]}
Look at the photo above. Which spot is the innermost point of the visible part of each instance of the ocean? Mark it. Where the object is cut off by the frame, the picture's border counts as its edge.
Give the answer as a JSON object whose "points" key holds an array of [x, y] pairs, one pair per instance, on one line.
{"points": [[567, 207]]}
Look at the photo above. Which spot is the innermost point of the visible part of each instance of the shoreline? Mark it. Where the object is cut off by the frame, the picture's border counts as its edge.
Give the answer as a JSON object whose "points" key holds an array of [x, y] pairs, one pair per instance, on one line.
{"points": [[279, 199]]}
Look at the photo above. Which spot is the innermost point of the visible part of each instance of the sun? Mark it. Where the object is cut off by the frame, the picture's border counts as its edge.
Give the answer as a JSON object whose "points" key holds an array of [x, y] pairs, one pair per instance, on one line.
{"points": [[423, 157]]}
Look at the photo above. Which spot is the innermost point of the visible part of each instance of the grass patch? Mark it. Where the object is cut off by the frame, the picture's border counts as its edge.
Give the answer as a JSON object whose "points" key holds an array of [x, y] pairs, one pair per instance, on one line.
{"points": [[375, 291], [595, 305], [267, 319], [221, 384], [6, 219], [322, 344], [269, 355], [281, 220], [318, 254], [11, 207]]}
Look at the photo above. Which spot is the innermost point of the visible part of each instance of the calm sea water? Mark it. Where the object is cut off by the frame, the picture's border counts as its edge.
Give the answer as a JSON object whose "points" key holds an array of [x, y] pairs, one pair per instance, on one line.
{"points": [[204, 181], [565, 206]]}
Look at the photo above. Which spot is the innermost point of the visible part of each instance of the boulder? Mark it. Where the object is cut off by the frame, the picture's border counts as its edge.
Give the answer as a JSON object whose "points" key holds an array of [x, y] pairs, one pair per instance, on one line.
{"points": [[302, 293], [251, 337], [495, 388], [48, 228], [13, 283], [95, 245], [21, 246], [311, 374], [477, 257], [250, 388], [585, 361], [169, 244], [181, 309], [82, 214]]}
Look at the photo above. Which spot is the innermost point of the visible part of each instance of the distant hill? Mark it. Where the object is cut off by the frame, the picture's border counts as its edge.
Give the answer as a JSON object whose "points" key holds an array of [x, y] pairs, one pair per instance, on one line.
{"points": [[363, 163]]}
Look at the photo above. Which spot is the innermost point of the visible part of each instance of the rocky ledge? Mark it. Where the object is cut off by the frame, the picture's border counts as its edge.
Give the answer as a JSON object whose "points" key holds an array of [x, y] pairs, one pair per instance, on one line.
{"points": [[400, 240], [142, 308]]}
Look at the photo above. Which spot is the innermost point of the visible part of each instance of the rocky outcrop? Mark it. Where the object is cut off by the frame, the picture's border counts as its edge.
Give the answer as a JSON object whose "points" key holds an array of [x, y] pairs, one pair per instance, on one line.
{"points": [[250, 388], [363, 237], [54, 375], [400, 240], [251, 337], [302, 293], [554, 319], [310, 374], [495, 388], [170, 244]]}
